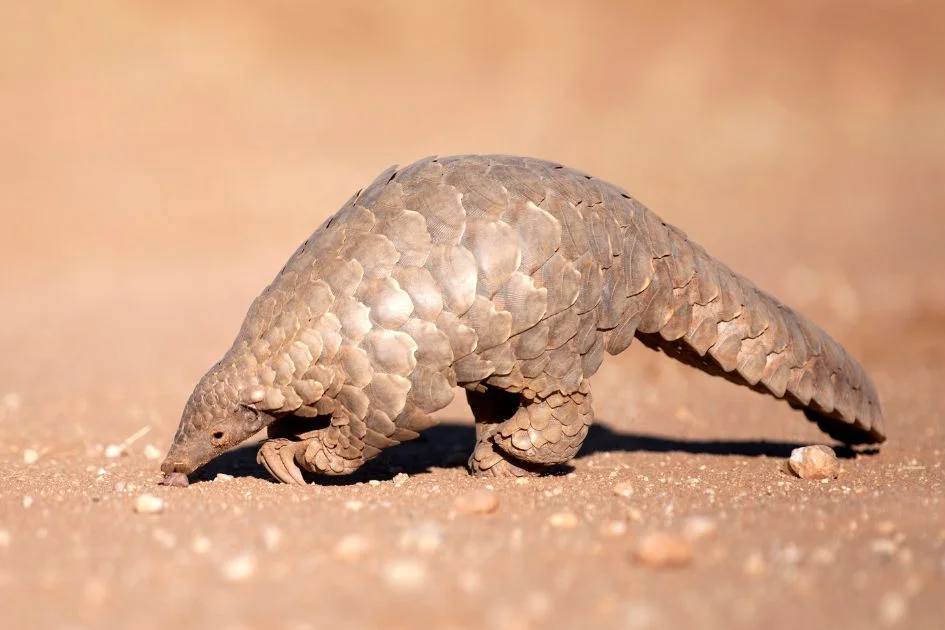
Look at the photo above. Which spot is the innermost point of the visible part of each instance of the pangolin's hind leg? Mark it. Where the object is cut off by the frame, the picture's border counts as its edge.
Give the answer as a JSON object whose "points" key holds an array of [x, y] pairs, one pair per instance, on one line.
{"points": [[491, 409], [516, 436]]}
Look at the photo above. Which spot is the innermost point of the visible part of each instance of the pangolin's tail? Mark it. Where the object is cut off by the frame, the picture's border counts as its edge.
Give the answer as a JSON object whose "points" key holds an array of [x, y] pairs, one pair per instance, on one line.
{"points": [[695, 309]]}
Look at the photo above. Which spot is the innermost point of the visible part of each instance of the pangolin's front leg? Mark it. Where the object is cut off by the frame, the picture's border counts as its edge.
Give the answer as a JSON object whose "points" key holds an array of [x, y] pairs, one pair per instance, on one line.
{"points": [[338, 449], [290, 449]]}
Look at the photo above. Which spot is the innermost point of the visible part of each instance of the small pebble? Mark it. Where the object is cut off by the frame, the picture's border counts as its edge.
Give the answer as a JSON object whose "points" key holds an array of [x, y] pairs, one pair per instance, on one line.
{"points": [[470, 582], [374, 482], [405, 574], [698, 527], [149, 504], [30, 456], [239, 568], [114, 450], [477, 502], [884, 546], [27, 501], [354, 505], [614, 528], [164, 538], [151, 452], [623, 489], [754, 564], [200, 544], [351, 547], [885, 528], [423, 538], [223, 477], [176, 480], [662, 549], [400, 478], [892, 608], [814, 462], [823, 555], [563, 520], [271, 537], [12, 401]]}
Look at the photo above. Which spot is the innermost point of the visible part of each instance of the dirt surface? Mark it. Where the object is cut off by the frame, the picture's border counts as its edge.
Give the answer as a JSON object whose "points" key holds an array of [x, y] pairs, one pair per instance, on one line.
{"points": [[160, 161]]}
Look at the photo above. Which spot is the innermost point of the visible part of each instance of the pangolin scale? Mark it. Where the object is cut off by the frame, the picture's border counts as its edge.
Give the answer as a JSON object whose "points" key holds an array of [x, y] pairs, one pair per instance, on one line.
{"points": [[511, 277]]}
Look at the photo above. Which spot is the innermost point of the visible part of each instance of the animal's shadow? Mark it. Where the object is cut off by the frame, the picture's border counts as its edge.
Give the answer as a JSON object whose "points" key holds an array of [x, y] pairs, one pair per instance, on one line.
{"points": [[447, 445]]}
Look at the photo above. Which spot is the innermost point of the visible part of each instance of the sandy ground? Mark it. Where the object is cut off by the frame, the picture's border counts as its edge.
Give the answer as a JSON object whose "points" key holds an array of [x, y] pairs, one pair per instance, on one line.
{"points": [[160, 161]]}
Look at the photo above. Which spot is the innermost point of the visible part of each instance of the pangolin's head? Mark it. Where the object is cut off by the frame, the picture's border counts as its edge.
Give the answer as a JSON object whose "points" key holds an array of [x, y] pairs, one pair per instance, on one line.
{"points": [[219, 414]]}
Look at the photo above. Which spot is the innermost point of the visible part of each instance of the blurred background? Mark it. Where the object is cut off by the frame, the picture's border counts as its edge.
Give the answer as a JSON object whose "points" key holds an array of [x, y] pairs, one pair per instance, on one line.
{"points": [[159, 161]]}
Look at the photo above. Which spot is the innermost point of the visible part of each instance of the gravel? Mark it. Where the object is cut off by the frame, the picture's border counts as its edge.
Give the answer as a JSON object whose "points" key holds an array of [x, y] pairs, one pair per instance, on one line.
{"points": [[814, 462], [477, 502], [149, 504], [660, 549]]}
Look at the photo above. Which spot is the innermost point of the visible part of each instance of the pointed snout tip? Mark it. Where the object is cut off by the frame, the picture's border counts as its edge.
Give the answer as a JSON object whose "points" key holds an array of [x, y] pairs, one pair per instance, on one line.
{"points": [[175, 473], [177, 462]]}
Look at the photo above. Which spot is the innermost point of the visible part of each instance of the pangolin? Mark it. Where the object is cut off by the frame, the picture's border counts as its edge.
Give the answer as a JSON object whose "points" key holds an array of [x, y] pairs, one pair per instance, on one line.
{"points": [[511, 277]]}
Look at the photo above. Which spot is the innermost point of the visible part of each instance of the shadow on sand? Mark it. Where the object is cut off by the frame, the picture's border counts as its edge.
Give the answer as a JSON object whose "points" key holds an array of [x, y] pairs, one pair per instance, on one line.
{"points": [[448, 444]]}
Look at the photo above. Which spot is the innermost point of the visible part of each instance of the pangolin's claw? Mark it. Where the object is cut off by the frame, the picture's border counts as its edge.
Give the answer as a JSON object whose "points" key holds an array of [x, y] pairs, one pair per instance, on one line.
{"points": [[278, 457]]}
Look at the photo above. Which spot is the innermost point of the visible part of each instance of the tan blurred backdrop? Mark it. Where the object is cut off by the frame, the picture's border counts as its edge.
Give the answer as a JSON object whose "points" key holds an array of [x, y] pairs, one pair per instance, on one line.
{"points": [[194, 145]]}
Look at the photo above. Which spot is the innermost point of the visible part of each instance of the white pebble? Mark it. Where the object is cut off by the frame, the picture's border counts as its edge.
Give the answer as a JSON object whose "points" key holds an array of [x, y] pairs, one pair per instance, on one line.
{"points": [[239, 568], [476, 502], [623, 489], [754, 564], [563, 520], [698, 527], [12, 400], [614, 528], [30, 456], [423, 538], [114, 450], [354, 505], [884, 546], [814, 462], [149, 504], [271, 537], [351, 547], [823, 555], [892, 608], [200, 544], [223, 477], [662, 549], [400, 478], [165, 538], [470, 581], [27, 502], [152, 452], [405, 574]]}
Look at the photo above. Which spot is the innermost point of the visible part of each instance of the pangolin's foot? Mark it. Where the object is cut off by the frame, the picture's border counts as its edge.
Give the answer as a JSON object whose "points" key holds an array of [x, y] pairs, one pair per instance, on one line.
{"points": [[531, 434], [278, 457], [488, 461], [325, 451]]}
